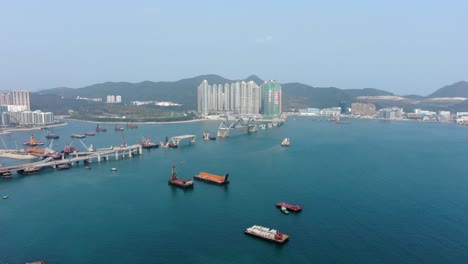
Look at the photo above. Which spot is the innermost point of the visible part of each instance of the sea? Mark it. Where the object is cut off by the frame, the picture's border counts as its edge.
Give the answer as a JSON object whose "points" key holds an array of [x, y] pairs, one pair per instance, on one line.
{"points": [[372, 192]]}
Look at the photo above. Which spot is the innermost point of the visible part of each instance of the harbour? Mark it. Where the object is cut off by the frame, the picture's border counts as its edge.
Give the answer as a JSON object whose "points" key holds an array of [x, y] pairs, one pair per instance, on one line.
{"points": [[357, 204]]}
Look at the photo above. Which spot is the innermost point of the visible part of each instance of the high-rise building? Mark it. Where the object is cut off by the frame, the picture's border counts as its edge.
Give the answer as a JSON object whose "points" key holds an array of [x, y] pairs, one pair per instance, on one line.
{"points": [[240, 98], [16, 98], [21, 97], [271, 103]]}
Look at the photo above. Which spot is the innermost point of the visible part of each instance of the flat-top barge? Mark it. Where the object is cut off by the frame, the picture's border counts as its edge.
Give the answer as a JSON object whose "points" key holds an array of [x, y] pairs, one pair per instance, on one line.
{"points": [[294, 208], [212, 178], [267, 234], [179, 182]]}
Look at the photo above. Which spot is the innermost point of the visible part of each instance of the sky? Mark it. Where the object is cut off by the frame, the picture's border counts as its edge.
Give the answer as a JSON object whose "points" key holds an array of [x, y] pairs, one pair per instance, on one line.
{"points": [[404, 47]]}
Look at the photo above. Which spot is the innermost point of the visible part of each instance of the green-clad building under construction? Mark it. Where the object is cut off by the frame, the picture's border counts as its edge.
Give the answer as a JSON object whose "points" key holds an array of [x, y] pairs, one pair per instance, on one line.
{"points": [[271, 103]]}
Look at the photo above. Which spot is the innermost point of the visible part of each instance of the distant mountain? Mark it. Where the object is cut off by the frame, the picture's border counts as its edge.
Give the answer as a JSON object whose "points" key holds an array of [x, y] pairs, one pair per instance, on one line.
{"points": [[458, 89], [298, 95], [295, 95]]}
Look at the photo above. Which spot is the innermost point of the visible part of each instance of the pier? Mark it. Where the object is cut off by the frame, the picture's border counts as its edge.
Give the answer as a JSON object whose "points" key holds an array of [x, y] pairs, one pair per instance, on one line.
{"points": [[76, 157]]}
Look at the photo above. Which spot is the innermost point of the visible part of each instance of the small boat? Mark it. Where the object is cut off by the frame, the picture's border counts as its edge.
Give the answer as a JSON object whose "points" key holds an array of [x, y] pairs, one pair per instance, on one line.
{"points": [[87, 168], [6, 174], [286, 142], [5, 197], [113, 169], [36, 262], [284, 210], [89, 133], [100, 129], [267, 234], [77, 136], [212, 137]]}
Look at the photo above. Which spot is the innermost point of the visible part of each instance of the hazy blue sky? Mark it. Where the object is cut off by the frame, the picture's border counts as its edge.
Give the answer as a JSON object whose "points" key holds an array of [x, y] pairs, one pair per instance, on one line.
{"points": [[405, 47]]}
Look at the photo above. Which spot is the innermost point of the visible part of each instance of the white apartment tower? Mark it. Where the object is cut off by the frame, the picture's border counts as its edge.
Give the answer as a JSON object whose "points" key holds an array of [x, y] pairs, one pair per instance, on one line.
{"points": [[241, 97]]}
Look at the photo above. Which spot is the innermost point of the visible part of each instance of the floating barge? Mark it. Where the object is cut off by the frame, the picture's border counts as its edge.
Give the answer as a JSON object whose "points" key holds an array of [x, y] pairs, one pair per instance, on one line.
{"points": [[29, 171], [294, 208], [267, 234], [212, 178], [179, 182]]}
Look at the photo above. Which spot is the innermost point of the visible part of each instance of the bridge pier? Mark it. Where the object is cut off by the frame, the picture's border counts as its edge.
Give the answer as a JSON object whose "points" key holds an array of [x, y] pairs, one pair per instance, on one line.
{"points": [[140, 150], [117, 155], [129, 153], [98, 158]]}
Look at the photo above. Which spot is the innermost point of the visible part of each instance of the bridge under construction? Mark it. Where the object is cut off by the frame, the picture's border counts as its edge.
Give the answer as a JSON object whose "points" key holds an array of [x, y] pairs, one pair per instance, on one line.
{"points": [[76, 157]]}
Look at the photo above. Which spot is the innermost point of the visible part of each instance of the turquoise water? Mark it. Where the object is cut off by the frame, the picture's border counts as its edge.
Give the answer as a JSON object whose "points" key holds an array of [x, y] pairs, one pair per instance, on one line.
{"points": [[371, 192]]}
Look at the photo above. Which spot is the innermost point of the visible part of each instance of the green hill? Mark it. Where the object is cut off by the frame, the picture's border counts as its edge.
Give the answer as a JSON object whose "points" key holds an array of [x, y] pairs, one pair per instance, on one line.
{"points": [[458, 89]]}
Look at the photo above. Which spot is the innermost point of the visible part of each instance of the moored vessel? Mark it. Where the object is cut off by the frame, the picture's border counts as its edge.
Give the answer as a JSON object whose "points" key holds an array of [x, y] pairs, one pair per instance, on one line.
{"points": [[146, 143], [173, 180], [89, 133], [63, 166], [6, 174], [77, 136], [131, 125], [212, 178], [29, 171], [267, 234], [290, 207]]}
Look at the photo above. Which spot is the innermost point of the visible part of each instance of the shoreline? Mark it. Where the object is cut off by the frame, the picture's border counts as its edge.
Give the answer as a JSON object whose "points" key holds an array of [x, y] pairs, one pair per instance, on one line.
{"points": [[11, 130], [140, 123]]}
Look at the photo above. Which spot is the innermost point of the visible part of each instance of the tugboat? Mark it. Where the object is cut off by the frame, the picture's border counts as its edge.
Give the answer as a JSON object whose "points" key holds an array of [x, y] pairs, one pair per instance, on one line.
{"points": [[89, 133], [32, 142], [179, 182], [100, 129], [286, 142], [267, 234]]}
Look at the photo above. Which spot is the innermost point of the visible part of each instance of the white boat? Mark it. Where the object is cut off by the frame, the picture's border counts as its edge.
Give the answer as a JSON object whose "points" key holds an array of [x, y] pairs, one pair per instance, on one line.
{"points": [[113, 169], [286, 142], [5, 197], [284, 210]]}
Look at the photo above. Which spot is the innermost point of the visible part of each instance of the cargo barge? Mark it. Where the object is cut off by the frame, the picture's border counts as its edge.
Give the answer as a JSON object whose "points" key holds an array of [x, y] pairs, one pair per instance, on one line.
{"points": [[212, 178], [267, 234], [29, 171], [294, 208], [179, 182]]}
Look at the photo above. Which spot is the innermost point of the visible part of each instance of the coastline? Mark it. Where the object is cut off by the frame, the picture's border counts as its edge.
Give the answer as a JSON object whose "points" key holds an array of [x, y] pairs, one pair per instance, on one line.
{"points": [[140, 123], [11, 130]]}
